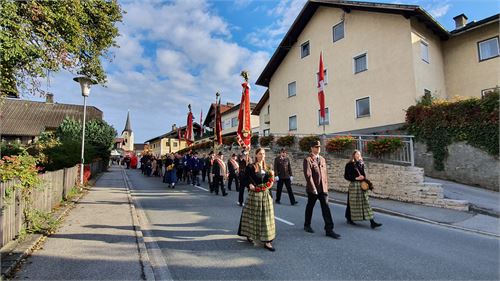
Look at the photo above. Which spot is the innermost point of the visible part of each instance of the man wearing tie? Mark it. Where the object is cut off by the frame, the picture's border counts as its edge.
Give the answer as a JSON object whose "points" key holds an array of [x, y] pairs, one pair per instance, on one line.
{"points": [[315, 172]]}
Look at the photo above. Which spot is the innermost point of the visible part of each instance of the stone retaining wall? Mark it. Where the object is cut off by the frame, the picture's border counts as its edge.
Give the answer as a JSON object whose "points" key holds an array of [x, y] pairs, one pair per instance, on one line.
{"points": [[401, 183], [464, 164]]}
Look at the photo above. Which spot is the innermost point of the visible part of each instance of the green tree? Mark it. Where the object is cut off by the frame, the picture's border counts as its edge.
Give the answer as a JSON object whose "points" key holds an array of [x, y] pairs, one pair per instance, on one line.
{"points": [[40, 36], [66, 151]]}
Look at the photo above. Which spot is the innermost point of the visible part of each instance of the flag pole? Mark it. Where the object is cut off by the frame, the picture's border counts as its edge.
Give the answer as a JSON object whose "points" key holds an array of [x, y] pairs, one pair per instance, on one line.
{"points": [[217, 97]]}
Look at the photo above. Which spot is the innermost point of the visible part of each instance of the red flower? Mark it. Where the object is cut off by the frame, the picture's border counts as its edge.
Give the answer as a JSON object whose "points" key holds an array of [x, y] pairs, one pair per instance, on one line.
{"points": [[268, 184]]}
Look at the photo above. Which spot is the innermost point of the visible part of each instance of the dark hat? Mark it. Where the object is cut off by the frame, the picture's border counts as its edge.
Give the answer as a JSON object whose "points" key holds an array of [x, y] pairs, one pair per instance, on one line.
{"points": [[315, 143], [283, 150], [234, 154], [220, 153]]}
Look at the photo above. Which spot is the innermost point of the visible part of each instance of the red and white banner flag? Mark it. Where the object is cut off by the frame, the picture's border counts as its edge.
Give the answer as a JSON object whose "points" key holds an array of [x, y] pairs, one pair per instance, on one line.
{"points": [[189, 136], [244, 132], [321, 85], [218, 124], [201, 123]]}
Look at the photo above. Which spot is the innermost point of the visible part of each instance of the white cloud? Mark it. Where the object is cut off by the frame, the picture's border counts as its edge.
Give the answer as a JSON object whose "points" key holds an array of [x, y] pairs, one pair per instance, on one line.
{"points": [[171, 54], [437, 8], [285, 13]]}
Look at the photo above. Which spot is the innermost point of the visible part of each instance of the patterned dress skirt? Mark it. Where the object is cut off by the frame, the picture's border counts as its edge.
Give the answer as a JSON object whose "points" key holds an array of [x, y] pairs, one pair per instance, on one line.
{"points": [[257, 217], [358, 202]]}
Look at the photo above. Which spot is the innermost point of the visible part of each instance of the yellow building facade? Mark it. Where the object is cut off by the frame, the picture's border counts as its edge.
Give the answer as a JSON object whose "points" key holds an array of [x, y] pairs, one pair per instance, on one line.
{"points": [[378, 61]]}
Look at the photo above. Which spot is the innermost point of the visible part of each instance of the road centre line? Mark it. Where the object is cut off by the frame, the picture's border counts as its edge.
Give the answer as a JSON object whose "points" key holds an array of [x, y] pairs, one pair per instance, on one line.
{"points": [[284, 221]]}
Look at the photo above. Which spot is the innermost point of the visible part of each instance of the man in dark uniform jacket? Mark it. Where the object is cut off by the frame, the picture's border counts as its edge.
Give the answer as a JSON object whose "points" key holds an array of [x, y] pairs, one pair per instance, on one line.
{"points": [[283, 173], [233, 167], [243, 161], [219, 172], [209, 161], [315, 172]]}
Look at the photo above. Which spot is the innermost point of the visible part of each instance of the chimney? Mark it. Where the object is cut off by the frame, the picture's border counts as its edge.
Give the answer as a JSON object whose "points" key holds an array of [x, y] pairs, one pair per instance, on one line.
{"points": [[460, 21], [230, 104], [49, 98]]}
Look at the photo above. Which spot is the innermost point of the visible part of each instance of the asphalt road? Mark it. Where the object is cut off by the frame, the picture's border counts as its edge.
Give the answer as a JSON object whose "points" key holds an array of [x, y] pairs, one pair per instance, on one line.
{"points": [[196, 232]]}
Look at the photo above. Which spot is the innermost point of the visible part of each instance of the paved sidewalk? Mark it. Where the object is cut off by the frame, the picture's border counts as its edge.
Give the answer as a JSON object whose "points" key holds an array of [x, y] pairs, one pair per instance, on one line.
{"points": [[480, 198], [96, 242]]}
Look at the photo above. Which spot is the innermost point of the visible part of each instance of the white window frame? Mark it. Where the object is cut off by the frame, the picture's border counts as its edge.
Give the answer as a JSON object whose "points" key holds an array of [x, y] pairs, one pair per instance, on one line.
{"points": [[333, 31], [266, 132], [296, 123], [365, 53], [487, 91], [483, 41], [327, 119], [234, 124], [356, 107], [422, 44], [300, 50], [288, 89], [325, 70]]}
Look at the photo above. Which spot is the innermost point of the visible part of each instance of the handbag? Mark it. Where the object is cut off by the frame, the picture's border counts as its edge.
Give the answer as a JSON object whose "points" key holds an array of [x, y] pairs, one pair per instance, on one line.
{"points": [[365, 184]]}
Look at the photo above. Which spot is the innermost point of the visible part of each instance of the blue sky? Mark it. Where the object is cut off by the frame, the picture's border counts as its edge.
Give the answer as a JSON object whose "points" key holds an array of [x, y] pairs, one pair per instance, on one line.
{"points": [[173, 53]]}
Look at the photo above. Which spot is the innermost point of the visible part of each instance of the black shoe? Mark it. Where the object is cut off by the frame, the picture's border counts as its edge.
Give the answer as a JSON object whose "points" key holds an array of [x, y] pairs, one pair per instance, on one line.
{"points": [[308, 229], [374, 224], [277, 202], [351, 222], [295, 203], [224, 194], [333, 235], [272, 249]]}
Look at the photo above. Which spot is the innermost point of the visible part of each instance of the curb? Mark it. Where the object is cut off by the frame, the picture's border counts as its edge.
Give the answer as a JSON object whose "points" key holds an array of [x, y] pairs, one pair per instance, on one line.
{"points": [[154, 265], [21, 250], [403, 215], [147, 269]]}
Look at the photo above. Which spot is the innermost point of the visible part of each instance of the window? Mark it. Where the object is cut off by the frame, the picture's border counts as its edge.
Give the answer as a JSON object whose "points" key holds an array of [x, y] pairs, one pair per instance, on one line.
{"points": [[326, 120], [266, 132], [174, 144], [488, 49], [424, 51], [234, 122], [427, 93], [292, 123], [292, 89], [325, 73], [338, 32], [363, 107], [360, 63], [305, 50], [226, 124], [487, 91]]}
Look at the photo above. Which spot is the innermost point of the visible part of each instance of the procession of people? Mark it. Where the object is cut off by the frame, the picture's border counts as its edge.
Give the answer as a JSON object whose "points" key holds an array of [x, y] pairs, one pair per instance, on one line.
{"points": [[257, 176]]}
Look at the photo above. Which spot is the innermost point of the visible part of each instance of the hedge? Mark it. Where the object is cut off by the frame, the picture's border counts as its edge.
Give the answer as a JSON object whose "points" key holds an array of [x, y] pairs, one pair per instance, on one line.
{"points": [[473, 120], [286, 141]]}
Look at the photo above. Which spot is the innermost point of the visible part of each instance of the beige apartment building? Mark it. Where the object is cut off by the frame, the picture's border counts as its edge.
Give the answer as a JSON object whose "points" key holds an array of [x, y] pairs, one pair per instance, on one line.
{"points": [[378, 60], [229, 119], [169, 142], [262, 109]]}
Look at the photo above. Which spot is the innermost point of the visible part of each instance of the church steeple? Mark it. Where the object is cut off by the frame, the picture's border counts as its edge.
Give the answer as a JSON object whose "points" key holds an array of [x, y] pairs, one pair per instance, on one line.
{"points": [[128, 128]]}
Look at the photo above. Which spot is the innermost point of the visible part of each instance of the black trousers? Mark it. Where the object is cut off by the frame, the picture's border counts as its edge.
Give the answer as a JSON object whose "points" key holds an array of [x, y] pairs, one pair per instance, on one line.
{"points": [[219, 182], [203, 174], [348, 209], [243, 186], [210, 183], [194, 177], [279, 189], [236, 182], [325, 210]]}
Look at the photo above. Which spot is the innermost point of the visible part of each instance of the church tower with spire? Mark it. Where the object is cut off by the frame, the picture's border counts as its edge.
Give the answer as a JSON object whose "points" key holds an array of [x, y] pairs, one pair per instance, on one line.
{"points": [[128, 136]]}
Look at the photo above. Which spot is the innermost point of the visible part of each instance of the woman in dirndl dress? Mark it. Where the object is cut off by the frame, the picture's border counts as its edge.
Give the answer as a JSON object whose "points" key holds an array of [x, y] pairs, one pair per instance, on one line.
{"points": [[358, 208], [257, 217]]}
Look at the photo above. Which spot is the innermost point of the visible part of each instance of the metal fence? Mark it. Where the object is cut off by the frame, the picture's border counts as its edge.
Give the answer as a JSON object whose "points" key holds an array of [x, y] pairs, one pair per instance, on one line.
{"points": [[404, 155], [55, 186]]}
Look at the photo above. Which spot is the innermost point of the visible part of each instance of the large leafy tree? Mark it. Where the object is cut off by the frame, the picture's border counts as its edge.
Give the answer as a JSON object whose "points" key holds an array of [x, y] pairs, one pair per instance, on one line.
{"points": [[38, 36]]}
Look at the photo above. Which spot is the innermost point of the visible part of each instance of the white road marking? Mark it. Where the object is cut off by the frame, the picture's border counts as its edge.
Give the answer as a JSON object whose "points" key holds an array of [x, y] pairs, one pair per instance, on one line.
{"points": [[201, 188], [284, 221]]}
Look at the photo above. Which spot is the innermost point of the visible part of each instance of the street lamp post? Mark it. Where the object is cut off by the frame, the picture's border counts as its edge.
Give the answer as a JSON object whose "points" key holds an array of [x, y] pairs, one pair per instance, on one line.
{"points": [[85, 83]]}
